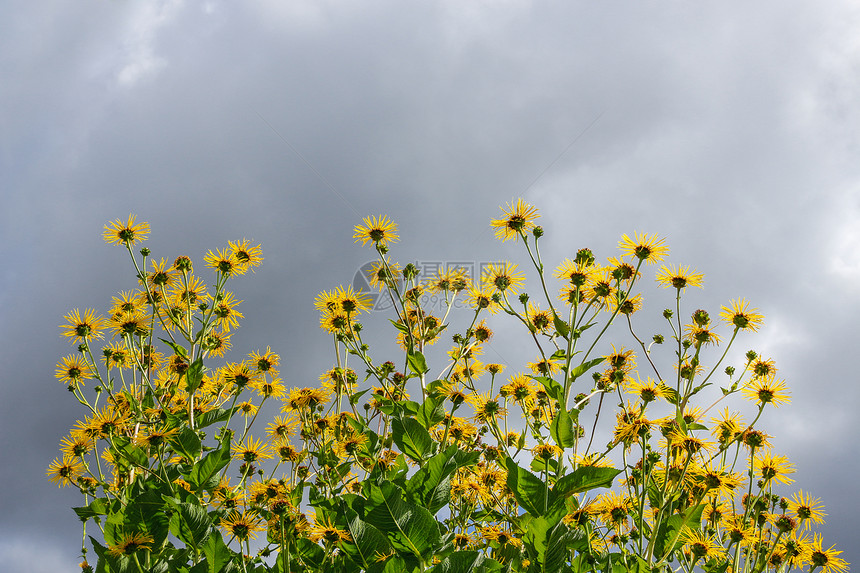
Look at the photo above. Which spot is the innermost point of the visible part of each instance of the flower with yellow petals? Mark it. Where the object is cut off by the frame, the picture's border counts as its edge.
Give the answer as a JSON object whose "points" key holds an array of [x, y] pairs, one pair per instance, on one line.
{"points": [[647, 248], [517, 220], [125, 233], [679, 277], [378, 230], [741, 316]]}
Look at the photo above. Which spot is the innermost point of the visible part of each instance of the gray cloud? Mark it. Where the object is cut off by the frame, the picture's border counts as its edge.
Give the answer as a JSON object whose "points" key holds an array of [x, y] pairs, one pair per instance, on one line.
{"points": [[729, 128]]}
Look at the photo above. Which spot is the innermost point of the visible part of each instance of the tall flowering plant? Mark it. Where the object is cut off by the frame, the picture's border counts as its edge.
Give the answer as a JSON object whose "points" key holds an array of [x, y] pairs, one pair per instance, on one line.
{"points": [[431, 461]]}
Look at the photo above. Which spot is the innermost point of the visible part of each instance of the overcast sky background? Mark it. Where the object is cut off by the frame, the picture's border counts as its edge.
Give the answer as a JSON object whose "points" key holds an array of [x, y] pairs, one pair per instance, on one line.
{"points": [[731, 128]]}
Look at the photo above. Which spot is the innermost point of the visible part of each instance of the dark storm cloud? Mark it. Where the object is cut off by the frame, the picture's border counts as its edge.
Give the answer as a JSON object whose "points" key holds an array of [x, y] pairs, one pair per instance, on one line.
{"points": [[729, 128]]}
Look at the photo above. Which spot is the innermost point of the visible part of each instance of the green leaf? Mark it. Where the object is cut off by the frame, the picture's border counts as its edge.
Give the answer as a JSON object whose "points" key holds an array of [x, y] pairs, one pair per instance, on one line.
{"points": [[186, 442], [585, 367], [176, 348], [218, 555], [417, 363], [204, 474], [430, 486], [194, 376], [189, 522], [411, 437], [145, 513], [431, 412], [561, 326], [553, 388], [583, 479], [123, 449], [561, 429], [213, 417], [460, 562], [367, 544], [99, 506], [531, 492], [409, 527], [399, 326]]}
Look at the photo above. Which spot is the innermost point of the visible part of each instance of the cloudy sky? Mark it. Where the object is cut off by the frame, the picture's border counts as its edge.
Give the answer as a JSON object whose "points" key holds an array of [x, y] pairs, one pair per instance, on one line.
{"points": [[730, 128]]}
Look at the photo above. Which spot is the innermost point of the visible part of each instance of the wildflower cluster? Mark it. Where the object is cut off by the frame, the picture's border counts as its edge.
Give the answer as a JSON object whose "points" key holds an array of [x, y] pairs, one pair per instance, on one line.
{"points": [[393, 465]]}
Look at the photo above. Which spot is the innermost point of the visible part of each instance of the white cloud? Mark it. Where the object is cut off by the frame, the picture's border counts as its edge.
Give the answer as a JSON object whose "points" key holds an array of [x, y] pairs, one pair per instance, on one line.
{"points": [[139, 59], [843, 259]]}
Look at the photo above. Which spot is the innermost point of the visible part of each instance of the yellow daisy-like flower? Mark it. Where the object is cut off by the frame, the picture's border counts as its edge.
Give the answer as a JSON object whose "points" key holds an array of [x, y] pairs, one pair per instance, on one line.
{"points": [[223, 260], [679, 277], [226, 315], [648, 248], [741, 316], [827, 559], [483, 299], [79, 328], [73, 369], [246, 255], [131, 543], [773, 468], [486, 407], [352, 302], [64, 472], [324, 530], [577, 273], [767, 391], [378, 230], [125, 233], [503, 277], [518, 219], [243, 525], [306, 398], [252, 450], [701, 545], [807, 509]]}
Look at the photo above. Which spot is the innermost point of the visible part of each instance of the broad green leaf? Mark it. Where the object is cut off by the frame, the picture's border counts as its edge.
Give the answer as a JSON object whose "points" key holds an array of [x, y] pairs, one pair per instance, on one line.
{"points": [[561, 429], [410, 528], [583, 479], [189, 522], [561, 326], [417, 363], [585, 367], [431, 485], [186, 442], [411, 437], [194, 375], [460, 562], [553, 388], [218, 555], [431, 412], [180, 350], [123, 449], [367, 543], [204, 474], [213, 417], [146, 514], [531, 492]]}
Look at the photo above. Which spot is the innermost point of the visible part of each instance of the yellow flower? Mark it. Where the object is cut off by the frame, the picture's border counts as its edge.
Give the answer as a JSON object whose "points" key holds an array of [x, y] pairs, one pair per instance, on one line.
{"points": [[679, 277], [767, 391], [741, 316], [647, 248], [807, 509], [577, 273], [131, 543], [66, 471], [252, 450], [518, 219], [246, 256], [306, 398], [80, 329], [128, 233], [701, 545], [243, 525], [266, 362], [826, 559], [226, 315], [483, 299], [503, 277], [73, 369], [223, 260], [379, 230], [774, 468]]}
